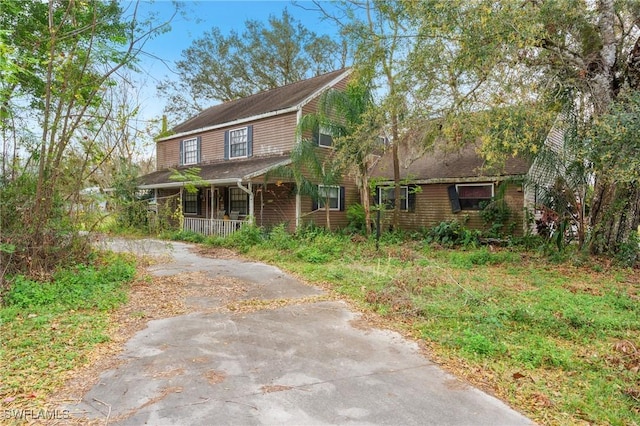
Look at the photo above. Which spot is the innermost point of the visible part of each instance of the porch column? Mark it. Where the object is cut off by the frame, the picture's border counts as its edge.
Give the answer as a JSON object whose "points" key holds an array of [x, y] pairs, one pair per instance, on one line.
{"points": [[298, 210], [251, 204], [249, 192], [212, 202]]}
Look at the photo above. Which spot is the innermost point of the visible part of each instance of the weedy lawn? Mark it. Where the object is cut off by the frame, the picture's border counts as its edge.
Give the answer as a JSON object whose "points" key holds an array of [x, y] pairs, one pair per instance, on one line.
{"points": [[48, 329]]}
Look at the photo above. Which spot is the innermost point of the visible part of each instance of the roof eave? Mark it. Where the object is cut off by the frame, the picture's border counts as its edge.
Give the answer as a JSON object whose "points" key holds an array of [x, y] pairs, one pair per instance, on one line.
{"points": [[325, 87], [231, 123], [266, 169], [469, 179], [290, 109], [226, 181], [182, 184]]}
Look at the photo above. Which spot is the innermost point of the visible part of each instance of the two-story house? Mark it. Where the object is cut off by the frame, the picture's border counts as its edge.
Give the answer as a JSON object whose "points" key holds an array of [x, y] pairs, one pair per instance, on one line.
{"points": [[234, 145]]}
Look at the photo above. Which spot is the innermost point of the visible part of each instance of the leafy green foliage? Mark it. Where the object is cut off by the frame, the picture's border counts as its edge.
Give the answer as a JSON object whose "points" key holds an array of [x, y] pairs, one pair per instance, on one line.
{"points": [[280, 239], [262, 57], [82, 287], [496, 214], [357, 218], [452, 233], [53, 326], [64, 59]]}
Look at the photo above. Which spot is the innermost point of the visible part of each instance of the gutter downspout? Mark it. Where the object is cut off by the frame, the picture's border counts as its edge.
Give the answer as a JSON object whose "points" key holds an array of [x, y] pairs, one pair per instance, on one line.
{"points": [[298, 197], [249, 191]]}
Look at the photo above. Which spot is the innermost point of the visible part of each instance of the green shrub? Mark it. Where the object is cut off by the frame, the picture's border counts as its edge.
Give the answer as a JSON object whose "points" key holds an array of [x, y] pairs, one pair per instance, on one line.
{"points": [[189, 236], [81, 287], [628, 252], [496, 215], [245, 238], [356, 218], [280, 239], [453, 233]]}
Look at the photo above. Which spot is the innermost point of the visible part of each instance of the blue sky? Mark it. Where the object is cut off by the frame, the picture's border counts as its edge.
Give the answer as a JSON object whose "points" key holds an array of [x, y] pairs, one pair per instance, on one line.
{"points": [[198, 17]]}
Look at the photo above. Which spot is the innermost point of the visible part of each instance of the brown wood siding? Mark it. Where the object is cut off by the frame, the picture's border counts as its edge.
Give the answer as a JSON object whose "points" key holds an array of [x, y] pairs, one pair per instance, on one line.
{"points": [[275, 204], [167, 154], [271, 136], [433, 206], [338, 219]]}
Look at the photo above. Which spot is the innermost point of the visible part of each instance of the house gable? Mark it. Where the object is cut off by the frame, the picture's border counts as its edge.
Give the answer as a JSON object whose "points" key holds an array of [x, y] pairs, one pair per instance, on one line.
{"points": [[270, 119]]}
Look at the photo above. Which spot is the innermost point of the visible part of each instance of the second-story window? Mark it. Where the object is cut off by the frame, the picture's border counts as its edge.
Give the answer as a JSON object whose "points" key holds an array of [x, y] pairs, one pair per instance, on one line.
{"points": [[325, 138], [191, 151], [238, 143]]}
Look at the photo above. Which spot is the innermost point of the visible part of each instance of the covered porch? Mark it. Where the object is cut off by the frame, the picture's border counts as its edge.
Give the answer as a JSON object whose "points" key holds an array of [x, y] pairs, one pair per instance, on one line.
{"points": [[220, 206]]}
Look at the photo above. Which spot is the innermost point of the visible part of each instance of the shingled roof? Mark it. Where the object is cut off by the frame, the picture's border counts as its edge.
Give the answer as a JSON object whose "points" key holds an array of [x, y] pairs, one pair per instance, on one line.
{"points": [[273, 100], [441, 165], [225, 172]]}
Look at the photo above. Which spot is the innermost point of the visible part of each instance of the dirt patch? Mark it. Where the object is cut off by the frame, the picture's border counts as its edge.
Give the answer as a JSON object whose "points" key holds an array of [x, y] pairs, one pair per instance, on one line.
{"points": [[275, 388], [162, 395], [169, 373], [214, 377], [253, 305], [217, 253]]}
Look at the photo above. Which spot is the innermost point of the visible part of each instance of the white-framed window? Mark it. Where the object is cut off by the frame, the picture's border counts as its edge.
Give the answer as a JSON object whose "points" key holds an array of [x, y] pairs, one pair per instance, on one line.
{"points": [[190, 151], [474, 196], [190, 200], [238, 201], [325, 139], [238, 143], [330, 192], [386, 197]]}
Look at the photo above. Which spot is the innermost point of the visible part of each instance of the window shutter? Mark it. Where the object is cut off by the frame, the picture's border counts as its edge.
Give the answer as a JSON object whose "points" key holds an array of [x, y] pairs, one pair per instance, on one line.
{"points": [[181, 161], [314, 204], [376, 196], [199, 196], [411, 199], [249, 141], [342, 198], [198, 148], [453, 198], [316, 135], [226, 145]]}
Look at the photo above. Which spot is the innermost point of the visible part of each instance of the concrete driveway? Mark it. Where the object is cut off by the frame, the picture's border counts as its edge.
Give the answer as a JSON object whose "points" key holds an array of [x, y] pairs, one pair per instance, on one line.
{"points": [[305, 363]]}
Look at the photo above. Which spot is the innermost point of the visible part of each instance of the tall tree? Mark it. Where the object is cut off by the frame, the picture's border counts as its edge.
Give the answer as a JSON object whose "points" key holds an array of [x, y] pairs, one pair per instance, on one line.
{"points": [[380, 35], [355, 123], [218, 67], [67, 55], [581, 54], [311, 168]]}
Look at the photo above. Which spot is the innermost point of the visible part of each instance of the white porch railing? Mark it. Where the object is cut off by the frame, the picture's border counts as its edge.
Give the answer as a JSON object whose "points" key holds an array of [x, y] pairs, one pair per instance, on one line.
{"points": [[218, 227]]}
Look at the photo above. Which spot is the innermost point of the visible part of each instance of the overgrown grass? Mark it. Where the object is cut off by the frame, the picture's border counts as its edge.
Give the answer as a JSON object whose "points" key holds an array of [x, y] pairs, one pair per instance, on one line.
{"points": [[558, 341], [49, 328]]}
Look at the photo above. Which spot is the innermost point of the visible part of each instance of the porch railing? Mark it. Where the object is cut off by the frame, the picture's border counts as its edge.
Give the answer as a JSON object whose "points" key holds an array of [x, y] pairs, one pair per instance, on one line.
{"points": [[217, 227]]}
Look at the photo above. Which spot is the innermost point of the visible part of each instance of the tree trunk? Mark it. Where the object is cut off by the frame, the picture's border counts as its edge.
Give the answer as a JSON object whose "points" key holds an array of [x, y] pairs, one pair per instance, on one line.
{"points": [[615, 216], [366, 203], [396, 173], [327, 211]]}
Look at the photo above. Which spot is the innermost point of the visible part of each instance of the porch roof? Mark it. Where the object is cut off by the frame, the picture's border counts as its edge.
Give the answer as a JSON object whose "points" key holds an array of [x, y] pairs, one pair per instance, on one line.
{"points": [[221, 173]]}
